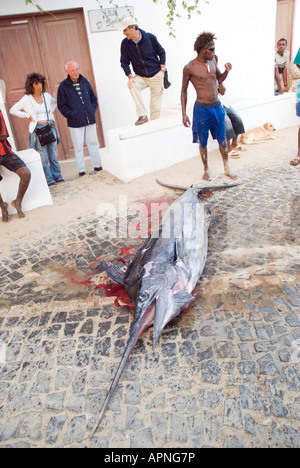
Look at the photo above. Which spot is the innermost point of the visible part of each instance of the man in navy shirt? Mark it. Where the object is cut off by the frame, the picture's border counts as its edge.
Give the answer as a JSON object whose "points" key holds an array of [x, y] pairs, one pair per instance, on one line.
{"points": [[147, 57], [77, 102]]}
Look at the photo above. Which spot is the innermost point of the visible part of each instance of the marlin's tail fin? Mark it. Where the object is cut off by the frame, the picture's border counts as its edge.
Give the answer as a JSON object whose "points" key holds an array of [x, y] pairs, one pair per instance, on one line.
{"points": [[208, 191], [202, 191]]}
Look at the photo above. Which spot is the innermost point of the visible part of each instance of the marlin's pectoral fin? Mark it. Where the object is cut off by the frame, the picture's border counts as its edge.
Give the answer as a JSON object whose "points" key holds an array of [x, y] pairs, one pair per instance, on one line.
{"points": [[164, 313], [113, 271], [168, 306], [183, 299]]}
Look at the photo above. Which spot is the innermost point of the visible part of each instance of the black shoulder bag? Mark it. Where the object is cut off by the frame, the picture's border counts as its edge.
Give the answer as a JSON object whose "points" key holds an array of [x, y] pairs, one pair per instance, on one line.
{"points": [[167, 83], [45, 134]]}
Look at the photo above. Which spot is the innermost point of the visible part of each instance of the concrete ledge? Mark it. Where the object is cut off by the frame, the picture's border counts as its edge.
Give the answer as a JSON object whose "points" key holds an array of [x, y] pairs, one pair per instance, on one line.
{"points": [[280, 110], [38, 193], [136, 151]]}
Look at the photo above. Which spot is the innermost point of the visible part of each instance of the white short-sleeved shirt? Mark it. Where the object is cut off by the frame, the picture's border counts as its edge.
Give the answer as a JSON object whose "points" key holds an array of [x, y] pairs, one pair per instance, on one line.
{"points": [[282, 61]]}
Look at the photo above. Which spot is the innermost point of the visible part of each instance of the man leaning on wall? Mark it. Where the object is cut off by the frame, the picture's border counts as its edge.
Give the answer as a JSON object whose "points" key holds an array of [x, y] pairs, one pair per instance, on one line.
{"points": [[147, 57]]}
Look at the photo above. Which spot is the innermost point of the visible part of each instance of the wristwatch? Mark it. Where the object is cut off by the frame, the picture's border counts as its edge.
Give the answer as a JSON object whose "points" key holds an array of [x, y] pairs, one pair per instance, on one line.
{"points": [[163, 69]]}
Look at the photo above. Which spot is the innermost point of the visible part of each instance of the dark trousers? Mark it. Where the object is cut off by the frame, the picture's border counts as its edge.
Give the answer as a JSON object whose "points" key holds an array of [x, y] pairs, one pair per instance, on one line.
{"points": [[233, 123]]}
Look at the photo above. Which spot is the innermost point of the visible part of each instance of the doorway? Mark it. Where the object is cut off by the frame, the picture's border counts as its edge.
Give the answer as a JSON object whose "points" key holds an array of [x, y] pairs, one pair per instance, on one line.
{"points": [[44, 43], [285, 21]]}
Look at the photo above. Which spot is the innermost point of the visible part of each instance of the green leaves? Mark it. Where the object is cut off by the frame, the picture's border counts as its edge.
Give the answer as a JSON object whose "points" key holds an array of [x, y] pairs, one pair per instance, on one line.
{"points": [[190, 7], [31, 2]]}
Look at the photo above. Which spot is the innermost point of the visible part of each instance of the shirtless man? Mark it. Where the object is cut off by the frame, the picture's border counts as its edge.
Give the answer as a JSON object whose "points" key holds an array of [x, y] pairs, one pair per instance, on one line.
{"points": [[13, 163], [209, 114]]}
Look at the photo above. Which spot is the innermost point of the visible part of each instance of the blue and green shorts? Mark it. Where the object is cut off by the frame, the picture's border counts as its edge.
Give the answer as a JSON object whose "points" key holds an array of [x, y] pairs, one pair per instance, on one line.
{"points": [[209, 118]]}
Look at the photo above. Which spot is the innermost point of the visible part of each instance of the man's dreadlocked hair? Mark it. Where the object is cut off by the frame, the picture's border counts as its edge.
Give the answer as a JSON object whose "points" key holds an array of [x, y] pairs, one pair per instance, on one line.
{"points": [[202, 40]]}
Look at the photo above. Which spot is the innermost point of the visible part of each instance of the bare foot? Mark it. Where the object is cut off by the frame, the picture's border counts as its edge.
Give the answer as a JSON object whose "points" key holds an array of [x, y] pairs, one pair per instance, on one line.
{"points": [[231, 176], [295, 161], [5, 214], [206, 176], [18, 207]]}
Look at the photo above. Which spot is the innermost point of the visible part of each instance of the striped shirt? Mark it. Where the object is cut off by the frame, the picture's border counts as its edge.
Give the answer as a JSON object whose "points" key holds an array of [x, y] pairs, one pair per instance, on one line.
{"points": [[77, 88], [5, 147]]}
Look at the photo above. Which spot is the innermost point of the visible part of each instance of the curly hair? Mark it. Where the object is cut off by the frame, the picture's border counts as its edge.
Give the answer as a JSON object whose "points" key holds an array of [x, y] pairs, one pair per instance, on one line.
{"points": [[34, 78], [202, 40]]}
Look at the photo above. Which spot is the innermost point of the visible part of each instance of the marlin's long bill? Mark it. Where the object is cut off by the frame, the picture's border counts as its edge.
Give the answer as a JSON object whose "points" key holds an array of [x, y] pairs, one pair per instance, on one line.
{"points": [[139, 325], [115, 382]]}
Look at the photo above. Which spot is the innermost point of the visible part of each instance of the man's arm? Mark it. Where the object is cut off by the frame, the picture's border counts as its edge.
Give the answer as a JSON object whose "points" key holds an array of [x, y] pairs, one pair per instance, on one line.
{"points": [[222, 76], [62, 103], [3, 129], [125, 64], [125, 60], [185, 83], [221, 89], [286, 80], [159, 50], [278, 80], [94, 99]]}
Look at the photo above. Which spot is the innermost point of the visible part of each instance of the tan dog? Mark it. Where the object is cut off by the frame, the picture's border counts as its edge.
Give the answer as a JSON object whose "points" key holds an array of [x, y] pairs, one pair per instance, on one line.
{"points": [[258, 134]]}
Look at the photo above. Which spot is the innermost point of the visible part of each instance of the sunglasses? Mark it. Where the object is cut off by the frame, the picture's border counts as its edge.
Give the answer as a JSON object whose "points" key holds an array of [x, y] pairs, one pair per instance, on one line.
{"points": [[212, 49]]}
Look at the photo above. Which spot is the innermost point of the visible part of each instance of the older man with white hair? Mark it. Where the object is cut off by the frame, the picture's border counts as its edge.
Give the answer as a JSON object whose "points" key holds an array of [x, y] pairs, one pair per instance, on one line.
{"points": [[79, 108], [147, 57]]}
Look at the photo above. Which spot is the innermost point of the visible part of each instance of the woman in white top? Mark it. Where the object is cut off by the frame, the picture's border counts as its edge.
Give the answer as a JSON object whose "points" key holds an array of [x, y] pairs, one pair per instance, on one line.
{"points": [[38, 106]]}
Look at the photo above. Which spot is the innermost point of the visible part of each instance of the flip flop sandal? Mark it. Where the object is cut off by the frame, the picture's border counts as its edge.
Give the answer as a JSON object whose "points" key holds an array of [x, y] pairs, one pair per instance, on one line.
{"points": [[295, 162], [233, 154], [241, 148]]}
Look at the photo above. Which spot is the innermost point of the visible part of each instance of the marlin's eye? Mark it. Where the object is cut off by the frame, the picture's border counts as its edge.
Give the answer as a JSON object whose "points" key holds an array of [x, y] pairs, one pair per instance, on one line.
{"points": [[144, 296]]}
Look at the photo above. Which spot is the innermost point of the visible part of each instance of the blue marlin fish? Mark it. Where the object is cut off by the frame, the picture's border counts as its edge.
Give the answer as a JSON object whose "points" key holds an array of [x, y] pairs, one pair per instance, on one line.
{"points": [[165, 270]]}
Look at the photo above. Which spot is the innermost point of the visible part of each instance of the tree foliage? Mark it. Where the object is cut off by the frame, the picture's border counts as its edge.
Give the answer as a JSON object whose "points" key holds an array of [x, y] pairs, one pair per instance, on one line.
{"points": [[32, 2], [175, 7]]}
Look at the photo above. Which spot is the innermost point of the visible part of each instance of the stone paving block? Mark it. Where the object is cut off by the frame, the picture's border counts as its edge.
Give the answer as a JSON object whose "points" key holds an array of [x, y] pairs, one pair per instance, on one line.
{"points": [[141, 439], [75, 430]]}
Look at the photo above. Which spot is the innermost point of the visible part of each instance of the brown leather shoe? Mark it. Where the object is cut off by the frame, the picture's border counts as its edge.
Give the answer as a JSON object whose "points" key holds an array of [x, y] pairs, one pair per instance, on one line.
{"points": [[141, 120]]}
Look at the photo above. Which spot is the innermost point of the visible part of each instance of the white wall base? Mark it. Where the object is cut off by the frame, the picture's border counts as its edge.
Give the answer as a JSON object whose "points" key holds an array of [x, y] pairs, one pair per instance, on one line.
{"points": [[38, 193], [136, 151], [280, 110]]}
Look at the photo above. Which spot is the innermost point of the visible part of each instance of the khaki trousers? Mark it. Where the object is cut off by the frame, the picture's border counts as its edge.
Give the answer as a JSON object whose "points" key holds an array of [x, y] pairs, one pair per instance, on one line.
{"points": [[156, 85]]}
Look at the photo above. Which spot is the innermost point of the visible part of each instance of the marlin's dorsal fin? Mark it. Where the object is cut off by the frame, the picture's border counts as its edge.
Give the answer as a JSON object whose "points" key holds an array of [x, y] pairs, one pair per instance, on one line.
{"points": [[113, 271]]}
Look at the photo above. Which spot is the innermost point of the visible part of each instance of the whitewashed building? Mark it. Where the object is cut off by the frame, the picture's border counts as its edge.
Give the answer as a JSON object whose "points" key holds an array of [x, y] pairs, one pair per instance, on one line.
{"points": [[74, 29]]}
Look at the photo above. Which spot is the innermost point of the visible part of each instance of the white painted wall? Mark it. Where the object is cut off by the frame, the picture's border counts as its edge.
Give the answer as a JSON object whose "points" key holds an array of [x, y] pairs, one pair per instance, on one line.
{"points": [[246, 37], [296, 30]]}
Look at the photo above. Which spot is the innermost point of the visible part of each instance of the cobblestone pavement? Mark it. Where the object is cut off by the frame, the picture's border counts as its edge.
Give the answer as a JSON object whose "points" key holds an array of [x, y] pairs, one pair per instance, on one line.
{"points": [[225, 374]]}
